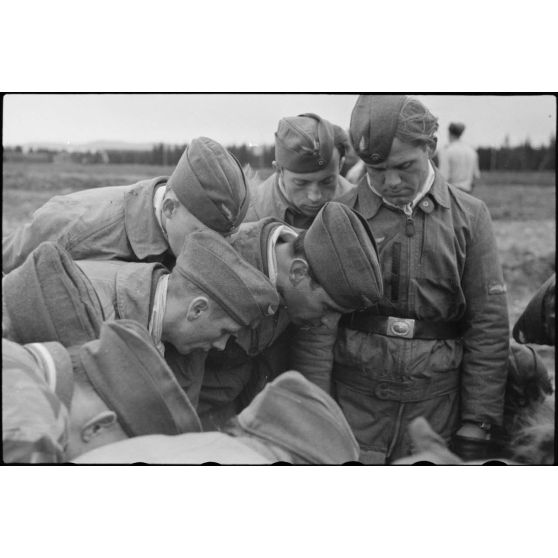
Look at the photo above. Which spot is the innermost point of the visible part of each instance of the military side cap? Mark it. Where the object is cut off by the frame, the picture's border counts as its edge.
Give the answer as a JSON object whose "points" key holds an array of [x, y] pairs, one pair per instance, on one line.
{"points": [[132, 378], [537, 322], [373, 124], [215, 267], [300, 417], [48, 298], [343, 256], [210, 183], [304, 143]]}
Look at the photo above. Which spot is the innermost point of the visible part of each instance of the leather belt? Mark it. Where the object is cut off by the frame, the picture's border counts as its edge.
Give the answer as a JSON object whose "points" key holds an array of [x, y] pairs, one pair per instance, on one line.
{"points": [[406, 328]]}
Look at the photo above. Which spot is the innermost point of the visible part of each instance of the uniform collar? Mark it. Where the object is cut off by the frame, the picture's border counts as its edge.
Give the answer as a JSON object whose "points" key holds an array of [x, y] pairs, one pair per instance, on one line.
{"points": [[369, 203], [142, 228]]}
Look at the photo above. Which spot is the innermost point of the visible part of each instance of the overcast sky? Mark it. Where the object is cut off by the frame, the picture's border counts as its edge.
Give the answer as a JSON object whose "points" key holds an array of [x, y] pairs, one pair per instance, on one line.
{"points": [[174, 118]]}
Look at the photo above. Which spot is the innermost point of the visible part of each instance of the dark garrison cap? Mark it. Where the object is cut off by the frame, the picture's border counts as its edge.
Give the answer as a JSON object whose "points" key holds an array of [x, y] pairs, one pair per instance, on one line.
{"points": [[133, 379], [343, 256], [304, 143], [48, 298], [373, 124], [216, 268], [210, 183], [297, 415]]}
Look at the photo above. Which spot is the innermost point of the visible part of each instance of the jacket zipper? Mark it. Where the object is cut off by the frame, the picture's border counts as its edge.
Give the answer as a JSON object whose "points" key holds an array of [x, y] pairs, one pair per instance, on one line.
{"points": [[410, 232], [410, 224]]}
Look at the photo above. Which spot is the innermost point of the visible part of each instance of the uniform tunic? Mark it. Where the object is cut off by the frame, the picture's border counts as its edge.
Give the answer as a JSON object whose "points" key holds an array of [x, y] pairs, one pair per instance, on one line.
{"points": [[110, 223], [127, 290], [439, 265], [267, 200]]}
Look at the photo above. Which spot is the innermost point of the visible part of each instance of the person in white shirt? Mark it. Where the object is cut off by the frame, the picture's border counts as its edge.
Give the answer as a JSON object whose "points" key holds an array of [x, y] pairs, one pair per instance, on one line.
{"points": [[459, 162]]}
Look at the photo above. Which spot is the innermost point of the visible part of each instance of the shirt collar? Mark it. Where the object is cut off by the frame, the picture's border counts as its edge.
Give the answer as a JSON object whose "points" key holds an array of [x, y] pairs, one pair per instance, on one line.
{"points": [[158, 313], [158, 206], [370, 202], [282, 231], [421, 193], [142, 228]]}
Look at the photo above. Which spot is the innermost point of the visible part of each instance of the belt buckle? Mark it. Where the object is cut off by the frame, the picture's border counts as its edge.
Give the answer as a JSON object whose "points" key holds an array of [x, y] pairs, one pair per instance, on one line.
{"points": [[401, 327]]}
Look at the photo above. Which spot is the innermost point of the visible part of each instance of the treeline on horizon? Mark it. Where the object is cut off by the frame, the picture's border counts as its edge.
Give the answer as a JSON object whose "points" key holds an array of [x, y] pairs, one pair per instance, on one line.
{"points": [[523, 157]]}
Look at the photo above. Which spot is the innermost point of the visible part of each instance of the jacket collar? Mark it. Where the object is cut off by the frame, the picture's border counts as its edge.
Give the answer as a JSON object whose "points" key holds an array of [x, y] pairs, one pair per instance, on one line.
{"points": [[136, 284], [368, 203], [142, 228]]}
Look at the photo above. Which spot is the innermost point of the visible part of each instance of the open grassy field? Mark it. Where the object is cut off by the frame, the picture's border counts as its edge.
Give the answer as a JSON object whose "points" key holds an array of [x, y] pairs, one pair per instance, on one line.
{"points": [[522, 205]]}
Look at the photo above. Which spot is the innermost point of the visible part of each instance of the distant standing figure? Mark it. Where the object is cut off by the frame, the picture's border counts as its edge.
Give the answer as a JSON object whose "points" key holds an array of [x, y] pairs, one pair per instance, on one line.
{"points": [[459, 162]]}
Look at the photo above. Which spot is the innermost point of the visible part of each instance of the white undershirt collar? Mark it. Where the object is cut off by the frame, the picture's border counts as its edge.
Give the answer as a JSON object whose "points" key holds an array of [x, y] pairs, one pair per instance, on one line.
{"points": [[408, 208], [282, 231], [158, 205]]}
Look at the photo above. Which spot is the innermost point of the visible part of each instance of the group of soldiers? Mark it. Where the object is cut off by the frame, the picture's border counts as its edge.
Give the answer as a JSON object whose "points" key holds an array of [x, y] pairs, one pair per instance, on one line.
{"points": [[205, 317]]}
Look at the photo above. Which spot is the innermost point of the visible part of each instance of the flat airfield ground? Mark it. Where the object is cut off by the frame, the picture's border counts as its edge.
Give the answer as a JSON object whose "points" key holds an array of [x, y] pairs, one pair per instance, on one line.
{"points": [[522, 205]]}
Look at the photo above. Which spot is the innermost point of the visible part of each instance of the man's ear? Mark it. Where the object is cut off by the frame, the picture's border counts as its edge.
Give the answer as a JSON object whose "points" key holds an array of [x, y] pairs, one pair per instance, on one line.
{"points": [[431, 148], [197, 307], [298, 271], [97, 425], [169, 207]]}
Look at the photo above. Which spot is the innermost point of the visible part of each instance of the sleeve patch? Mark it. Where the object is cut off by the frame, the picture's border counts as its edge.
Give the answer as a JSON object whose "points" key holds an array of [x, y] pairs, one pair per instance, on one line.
{"points": [[495, 288]]}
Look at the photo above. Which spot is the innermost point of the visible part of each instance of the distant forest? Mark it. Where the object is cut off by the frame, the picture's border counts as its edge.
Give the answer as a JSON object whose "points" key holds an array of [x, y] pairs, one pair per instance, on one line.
{"points": [[523, 157]]}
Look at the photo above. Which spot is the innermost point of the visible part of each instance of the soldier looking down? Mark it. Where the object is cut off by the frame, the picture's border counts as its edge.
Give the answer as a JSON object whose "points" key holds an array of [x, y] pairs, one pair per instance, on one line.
{"points": [[144, 222], [436, 344], [309, 154], [58, 403]]}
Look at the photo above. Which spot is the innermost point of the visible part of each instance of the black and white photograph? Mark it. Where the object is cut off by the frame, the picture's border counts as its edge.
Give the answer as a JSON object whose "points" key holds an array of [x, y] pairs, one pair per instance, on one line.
{"points": [[250, 279], [278, 279]]}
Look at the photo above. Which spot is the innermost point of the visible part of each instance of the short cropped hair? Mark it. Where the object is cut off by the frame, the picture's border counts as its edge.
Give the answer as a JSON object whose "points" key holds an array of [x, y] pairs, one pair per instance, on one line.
{"points": [[456, 129], [178, 283], [416, 124]]}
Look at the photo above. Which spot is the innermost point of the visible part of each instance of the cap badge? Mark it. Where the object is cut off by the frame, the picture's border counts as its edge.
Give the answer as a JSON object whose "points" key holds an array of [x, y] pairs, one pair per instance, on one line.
{"points": [[321, 162], [376, 158]]}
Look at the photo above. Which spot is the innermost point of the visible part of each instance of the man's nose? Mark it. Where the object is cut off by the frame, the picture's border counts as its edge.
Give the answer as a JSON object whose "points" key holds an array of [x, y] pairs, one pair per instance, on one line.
{"points": [[221, 343], [392, 178], [314, 194]]}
